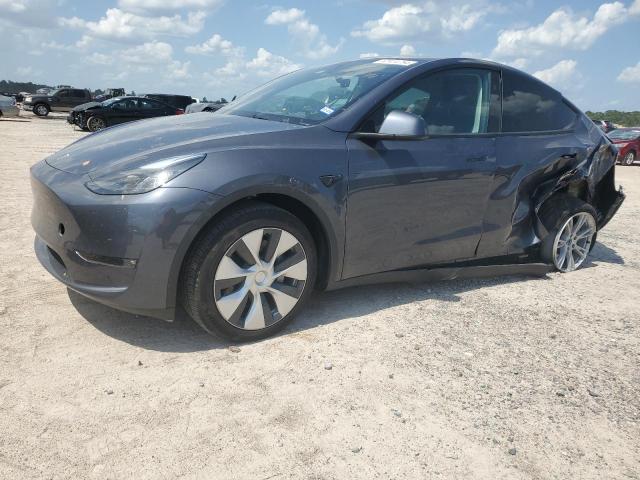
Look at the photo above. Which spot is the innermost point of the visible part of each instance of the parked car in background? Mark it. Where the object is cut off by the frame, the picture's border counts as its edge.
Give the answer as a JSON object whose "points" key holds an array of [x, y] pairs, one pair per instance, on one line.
{"points": [[177, 101], [375, 170], [60, 100], [605, 125], [110, 93], [8, 107], [628, 142], [206, 106], [95, 116]]}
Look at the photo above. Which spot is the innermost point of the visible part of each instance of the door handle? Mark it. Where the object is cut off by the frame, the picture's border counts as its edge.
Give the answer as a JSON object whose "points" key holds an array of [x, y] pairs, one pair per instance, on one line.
{"points": [[569, 155]]}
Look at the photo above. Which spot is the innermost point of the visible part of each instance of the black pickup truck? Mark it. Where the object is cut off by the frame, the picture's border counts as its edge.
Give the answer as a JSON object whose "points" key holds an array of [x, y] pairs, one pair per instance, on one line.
{"points": [[60, 100]]}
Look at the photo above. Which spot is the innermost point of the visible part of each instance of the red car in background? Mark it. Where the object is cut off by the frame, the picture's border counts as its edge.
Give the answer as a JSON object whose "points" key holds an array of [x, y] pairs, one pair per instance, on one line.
{"points": [[628, 142]]}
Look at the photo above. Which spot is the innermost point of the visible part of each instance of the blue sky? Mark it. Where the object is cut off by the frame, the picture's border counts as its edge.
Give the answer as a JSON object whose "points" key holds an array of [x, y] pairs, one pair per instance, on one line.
{"points": [[590, 50]]}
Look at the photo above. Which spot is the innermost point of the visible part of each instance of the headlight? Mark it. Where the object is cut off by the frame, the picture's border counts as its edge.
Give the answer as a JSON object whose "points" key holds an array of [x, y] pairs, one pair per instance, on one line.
{"points": [[141, 177], [28, 99]]}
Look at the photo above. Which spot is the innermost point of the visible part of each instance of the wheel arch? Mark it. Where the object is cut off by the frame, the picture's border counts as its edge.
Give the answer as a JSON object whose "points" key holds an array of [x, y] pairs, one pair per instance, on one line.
{"points": [[329, 254]]}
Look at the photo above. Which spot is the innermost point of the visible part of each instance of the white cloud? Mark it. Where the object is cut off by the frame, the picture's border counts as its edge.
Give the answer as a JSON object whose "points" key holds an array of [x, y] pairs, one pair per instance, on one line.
{"points": [[407, 51], [562, 29], [307, 35], [520, 63], [148, 53], [414, 20], [562, 74], [266, 64], [121, 25], [100, 59], [178, 70], [141, 6], [215, 45], [634, 9], [461, 19], [13, 6], [630, 74], [401, 22]]}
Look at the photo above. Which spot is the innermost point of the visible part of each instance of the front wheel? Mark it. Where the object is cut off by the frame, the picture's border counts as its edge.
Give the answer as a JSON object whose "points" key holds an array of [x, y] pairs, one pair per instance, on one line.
{"points": [[572, 234], [250, 272], [96, 123], [629, 158], [41, 110]]}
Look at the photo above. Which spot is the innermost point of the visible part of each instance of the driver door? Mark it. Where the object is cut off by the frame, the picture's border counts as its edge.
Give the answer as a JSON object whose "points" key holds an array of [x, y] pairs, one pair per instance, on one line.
{"points": [[420, 202]]}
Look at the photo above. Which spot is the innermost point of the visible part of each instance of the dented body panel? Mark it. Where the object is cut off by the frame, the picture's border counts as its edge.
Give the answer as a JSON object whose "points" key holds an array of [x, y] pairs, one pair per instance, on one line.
{"points": [[440, 206]]}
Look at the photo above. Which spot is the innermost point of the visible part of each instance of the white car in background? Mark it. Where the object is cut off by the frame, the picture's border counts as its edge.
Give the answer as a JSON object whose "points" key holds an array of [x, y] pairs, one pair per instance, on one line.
{"points": [[8, 107]]}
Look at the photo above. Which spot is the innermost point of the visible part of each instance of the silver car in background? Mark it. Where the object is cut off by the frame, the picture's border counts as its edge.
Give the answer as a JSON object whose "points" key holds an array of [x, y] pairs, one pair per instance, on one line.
{"points": [[8, 107]]}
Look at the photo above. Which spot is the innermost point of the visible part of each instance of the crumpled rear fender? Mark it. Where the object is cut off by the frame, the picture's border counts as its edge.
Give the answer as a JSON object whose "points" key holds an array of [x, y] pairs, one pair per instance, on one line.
{"points": [[592, 180]]}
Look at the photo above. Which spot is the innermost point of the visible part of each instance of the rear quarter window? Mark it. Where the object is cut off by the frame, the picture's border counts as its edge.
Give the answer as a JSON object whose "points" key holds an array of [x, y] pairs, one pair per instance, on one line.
{"points": [[530, 106]]}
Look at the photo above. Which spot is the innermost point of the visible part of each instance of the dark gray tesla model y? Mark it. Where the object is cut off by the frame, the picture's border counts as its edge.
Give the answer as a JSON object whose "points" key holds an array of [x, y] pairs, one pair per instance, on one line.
{"points": [[359, 172]]}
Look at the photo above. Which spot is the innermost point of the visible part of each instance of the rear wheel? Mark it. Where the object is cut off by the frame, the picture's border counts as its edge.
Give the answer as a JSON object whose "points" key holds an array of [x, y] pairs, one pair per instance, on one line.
{"points": [[250, 272], [96, 123], [41, 109], [572, 234], [629, 158]]}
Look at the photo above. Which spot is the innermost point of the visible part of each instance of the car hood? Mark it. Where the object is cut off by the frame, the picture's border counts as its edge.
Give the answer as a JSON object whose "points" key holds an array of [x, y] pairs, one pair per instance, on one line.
{"points": [[86, 106], [158, 138]]}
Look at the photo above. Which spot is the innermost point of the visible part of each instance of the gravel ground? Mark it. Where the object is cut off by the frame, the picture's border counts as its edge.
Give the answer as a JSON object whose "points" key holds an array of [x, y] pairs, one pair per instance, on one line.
{"points": [[508, 378]]}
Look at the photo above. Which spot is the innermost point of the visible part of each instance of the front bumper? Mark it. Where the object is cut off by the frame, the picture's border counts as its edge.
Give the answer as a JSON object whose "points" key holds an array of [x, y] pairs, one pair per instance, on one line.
{"points": [[120, 250], [27, 106], [10, 111]]}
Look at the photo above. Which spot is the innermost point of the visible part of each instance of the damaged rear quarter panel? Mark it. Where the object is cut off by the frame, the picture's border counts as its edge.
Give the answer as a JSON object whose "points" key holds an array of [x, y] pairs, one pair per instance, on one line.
{"points": [[533, 168]]}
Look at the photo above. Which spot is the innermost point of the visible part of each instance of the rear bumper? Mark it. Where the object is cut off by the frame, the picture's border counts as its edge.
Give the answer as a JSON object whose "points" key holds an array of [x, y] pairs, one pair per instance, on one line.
{"points": [[117, 250], [10, 111]]}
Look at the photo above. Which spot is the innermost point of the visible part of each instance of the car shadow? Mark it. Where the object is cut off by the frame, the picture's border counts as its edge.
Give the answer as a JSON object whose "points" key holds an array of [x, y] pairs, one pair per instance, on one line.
{"points": [[603, 254], [184, 335]]}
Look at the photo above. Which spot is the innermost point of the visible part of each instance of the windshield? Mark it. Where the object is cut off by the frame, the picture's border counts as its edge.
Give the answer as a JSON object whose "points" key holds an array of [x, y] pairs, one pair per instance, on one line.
{"points": [[54, 92], [624, 134], [106, 103], [308, 97]]}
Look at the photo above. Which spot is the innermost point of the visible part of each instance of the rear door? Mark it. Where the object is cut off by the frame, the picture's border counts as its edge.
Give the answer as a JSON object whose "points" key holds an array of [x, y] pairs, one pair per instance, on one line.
{"points": [[62, 101], [414, 203], [124, 110], [151, 108], [539, 141], [78, 97]]}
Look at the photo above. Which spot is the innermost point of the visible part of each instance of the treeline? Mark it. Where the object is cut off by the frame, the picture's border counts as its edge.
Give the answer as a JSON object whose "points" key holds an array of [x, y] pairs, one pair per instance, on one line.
{"points": [[626, 119], [8, 86]]}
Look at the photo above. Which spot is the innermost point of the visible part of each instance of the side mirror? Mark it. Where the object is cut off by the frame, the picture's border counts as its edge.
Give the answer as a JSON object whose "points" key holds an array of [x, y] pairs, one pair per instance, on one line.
{"points": [[398, 125], [403, 124]]}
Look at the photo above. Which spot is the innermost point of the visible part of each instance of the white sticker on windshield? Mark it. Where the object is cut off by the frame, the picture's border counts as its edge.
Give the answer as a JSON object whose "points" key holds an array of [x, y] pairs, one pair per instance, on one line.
{"points": [[326, 110], [393, 61]]}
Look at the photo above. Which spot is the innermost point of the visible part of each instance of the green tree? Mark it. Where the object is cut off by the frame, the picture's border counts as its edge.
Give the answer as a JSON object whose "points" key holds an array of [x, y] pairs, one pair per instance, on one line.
{"points": [[626, 119]]}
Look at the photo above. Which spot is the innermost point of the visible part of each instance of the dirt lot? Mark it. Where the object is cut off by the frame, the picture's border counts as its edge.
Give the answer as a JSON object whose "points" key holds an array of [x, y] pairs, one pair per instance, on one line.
{"points": [[508, 378]]}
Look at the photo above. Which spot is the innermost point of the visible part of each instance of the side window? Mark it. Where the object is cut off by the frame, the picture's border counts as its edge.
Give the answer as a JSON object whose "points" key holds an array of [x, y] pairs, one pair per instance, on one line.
{"points": [[146, 104], [64, 93], [530, 106], [127, 104], [77, 93], [456, 101]]}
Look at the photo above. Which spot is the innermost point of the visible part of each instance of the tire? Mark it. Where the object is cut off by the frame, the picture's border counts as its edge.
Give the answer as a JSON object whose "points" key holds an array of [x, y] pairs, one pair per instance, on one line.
{"points": [[556, 214], [41, 109], [219, 294], [629, 158], [95, 124]]}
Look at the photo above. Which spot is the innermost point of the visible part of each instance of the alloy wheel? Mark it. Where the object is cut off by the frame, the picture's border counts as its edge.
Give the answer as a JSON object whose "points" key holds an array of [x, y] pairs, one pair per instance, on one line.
{"points": [[629, 158], [573, 242], [41, 110], [95, 124], [260, 278]]}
